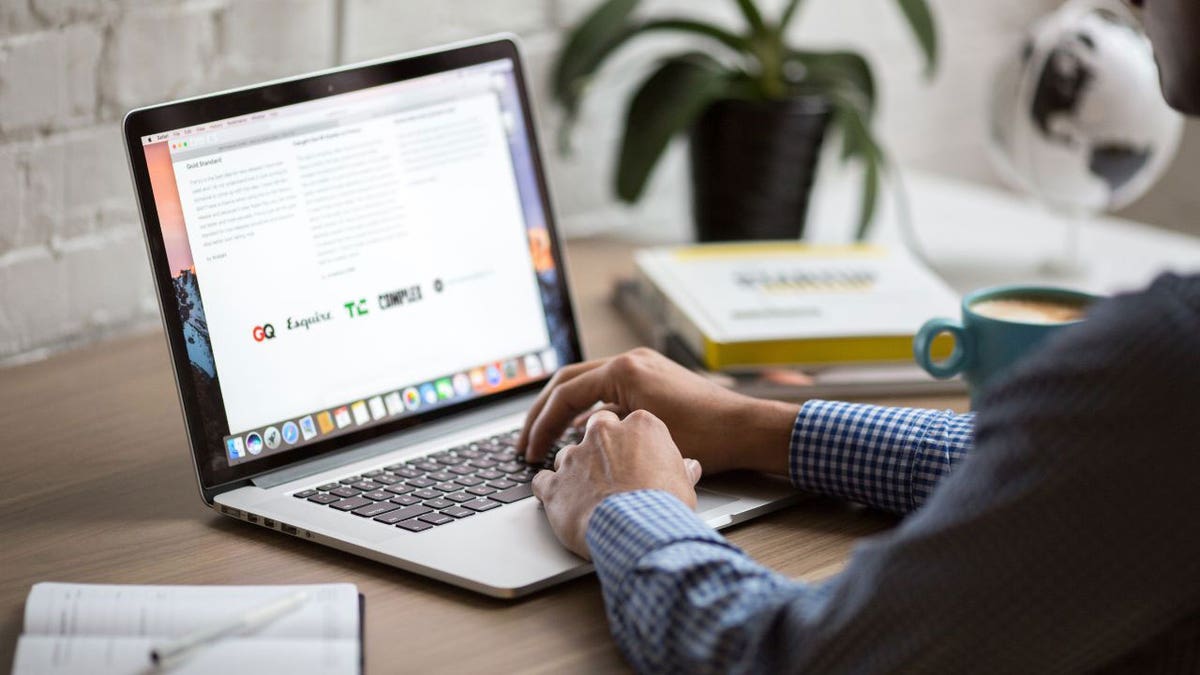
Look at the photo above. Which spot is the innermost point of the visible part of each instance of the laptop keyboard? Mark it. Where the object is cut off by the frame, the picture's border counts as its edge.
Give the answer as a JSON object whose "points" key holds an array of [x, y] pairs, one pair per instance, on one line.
{"points": [[439, 488]]}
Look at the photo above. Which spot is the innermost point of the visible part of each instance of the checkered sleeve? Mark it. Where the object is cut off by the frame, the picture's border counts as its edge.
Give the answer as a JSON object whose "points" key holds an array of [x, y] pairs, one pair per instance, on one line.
{"points": [[679, 597], [888, 458]]}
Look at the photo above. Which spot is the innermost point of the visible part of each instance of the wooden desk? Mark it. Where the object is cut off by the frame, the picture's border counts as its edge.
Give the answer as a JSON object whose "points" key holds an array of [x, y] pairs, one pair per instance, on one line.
{"points": [[96, 486]]}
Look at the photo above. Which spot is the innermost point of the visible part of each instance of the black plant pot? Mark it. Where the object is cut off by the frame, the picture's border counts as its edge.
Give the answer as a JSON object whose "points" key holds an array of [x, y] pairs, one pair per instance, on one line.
{"points": [[752, 167]]}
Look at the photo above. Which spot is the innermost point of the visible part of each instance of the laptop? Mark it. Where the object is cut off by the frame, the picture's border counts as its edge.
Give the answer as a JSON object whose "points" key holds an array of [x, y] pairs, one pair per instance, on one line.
{"points": [[363, 290]]}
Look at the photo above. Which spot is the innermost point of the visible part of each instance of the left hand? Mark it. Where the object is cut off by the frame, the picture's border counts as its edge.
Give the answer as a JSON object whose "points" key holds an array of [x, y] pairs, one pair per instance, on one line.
{"points": [[615, 455]]}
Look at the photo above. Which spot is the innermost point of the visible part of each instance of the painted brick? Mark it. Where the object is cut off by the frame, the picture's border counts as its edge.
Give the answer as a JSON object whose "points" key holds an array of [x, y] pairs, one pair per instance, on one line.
{"points": [[159, 53], [48, 79], [300, 39], [12, 201], [380, 27], [59, 12]]}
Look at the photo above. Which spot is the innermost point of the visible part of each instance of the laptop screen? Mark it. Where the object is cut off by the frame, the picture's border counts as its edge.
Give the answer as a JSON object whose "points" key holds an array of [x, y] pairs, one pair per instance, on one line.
{"points": [[348, 262]]}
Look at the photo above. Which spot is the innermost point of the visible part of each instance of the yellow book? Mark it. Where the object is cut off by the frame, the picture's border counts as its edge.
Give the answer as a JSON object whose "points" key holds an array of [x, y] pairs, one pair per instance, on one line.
{"points": [[754, 304]]}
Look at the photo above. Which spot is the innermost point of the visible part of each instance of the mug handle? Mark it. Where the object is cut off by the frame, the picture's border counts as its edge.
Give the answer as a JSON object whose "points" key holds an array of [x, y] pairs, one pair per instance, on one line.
{"points": [[923, 345]]}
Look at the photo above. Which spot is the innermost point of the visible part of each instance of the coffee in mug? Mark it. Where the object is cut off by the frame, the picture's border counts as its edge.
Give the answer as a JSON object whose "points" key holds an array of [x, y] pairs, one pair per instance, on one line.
{"points": [[999, 327]]}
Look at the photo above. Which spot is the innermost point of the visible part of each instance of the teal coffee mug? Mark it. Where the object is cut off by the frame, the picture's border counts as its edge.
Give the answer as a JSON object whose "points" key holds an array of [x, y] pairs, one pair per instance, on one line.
{"points": [[999, 326]]}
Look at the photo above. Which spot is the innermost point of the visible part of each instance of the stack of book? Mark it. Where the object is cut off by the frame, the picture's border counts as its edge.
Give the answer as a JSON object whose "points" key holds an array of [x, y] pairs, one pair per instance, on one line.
{"points": [[789, 320]]}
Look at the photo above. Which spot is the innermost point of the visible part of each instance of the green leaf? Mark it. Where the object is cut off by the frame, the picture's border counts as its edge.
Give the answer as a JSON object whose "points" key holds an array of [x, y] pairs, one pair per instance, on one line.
{"points": [[789, 12], [601, 35], [587, 46], [920, 19], [753, 16], [870, 195], [843, 71], [665, 104], [860, 144]]}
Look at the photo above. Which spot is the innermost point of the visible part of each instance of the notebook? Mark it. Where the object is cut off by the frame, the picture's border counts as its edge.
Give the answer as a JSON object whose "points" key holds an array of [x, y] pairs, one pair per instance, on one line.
{"points": [[110, 629]]}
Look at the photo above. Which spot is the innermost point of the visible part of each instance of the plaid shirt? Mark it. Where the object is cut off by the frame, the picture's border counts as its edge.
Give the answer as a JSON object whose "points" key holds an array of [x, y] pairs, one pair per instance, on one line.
{"points": [[1065, 542]]}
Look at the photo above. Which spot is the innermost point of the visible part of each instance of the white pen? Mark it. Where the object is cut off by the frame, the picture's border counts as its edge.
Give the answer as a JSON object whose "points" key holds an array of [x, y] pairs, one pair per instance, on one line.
{"points": [[168, 654]]}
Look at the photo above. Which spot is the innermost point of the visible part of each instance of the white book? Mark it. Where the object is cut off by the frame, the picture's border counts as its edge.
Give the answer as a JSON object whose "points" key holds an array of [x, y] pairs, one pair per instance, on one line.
{"points": [[786, 303], [102, 629]]}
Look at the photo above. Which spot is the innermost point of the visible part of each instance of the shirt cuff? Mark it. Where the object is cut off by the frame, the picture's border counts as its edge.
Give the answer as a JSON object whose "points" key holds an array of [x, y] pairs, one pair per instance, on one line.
{"points": [[627, 526]]}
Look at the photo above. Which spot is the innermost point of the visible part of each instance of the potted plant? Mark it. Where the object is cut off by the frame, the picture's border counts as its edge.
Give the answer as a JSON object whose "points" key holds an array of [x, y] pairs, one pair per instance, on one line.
{"points": [[756, 107]]}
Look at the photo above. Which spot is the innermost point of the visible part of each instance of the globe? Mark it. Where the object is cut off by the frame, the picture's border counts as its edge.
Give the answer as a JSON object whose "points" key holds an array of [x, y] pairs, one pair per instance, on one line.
{"points": [[1077, 116]]}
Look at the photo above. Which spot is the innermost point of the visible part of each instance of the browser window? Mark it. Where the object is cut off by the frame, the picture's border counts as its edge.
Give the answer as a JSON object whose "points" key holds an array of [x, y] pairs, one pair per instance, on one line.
{"points": [[342, 262]]}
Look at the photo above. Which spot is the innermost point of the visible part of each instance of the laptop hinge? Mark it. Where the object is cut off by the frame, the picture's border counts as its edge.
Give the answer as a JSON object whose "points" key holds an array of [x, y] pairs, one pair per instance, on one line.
{"points": [[420, 434]]}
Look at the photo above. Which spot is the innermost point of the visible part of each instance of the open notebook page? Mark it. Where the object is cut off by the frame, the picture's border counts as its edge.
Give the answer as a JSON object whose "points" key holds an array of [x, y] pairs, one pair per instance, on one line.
{"points": [[50, 655], [331, 612]]}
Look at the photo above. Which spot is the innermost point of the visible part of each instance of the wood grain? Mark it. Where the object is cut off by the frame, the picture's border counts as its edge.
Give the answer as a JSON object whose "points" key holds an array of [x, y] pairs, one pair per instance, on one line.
{"points": [[97, 487]]}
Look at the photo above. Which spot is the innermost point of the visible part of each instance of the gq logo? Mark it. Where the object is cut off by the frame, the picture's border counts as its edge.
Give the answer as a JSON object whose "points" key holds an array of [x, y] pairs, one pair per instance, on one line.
{"points": [[264, 332]]}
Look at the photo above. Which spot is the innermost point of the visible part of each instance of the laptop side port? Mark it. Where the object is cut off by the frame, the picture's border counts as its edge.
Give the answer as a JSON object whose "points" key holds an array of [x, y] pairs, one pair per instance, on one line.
{"points": [[288, 529], [269, 523]]}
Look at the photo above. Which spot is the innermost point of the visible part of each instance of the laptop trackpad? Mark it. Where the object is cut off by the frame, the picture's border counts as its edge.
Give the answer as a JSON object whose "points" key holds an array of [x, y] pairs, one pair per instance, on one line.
{"points": [[707, 500]]}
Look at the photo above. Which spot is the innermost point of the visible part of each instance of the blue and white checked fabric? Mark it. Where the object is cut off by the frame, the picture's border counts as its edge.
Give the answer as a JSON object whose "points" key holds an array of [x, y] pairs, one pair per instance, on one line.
{"points": [[1065, 541], [889, 458]]}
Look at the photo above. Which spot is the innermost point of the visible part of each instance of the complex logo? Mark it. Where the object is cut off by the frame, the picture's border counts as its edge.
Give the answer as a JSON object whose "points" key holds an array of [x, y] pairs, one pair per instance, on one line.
{"points": [[400, 297], [356, 308], [263, 332]]}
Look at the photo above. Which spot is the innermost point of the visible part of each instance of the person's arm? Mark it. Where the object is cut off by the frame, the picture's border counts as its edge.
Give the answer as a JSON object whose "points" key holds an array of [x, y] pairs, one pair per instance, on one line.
{"points": [[888, 458], [1063, 542]]}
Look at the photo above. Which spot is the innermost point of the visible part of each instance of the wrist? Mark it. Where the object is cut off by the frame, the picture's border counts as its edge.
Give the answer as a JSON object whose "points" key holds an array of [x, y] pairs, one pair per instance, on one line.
{"points": [[764, 435]]}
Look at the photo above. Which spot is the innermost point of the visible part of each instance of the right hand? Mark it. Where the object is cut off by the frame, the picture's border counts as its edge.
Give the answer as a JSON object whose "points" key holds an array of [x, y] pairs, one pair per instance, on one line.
{"points": [[721, 429]]}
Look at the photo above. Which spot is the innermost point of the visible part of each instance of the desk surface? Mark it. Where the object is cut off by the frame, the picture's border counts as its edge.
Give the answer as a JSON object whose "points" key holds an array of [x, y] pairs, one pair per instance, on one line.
{"points": [[97, 487]]}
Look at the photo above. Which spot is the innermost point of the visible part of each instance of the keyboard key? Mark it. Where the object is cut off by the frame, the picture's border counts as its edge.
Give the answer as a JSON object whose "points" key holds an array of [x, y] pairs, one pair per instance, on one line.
{"points": [[451, 461], [406, 472], [484, 463], [481, 505], [419, 482], [458, 512], [436, 519], [386, 479], [350, 504], [373, 473], [328, 486], [399, 489], [513, 494], [366, 485], [304, 494], [470, 454], [405, 500], [438, 503], [349, 479], [324, 498], [372, 510], [447, 487], [490, 474], [462, 470], [427, 494], [501, 484], [440, 476], [468, 481], [410, 512], [414, 525], [393, 467], [439, 454], [512, 467], [481, 490], [378, 495], [426, 466], [460, 497], [345, 491]]}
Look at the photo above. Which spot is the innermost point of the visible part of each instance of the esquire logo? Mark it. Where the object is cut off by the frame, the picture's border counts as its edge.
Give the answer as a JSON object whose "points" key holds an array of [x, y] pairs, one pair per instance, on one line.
{"points": [[309, 321]]}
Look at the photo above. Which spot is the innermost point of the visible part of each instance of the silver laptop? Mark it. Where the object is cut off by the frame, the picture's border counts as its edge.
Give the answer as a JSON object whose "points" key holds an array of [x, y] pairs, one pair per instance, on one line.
{"points": [[363, 290]]}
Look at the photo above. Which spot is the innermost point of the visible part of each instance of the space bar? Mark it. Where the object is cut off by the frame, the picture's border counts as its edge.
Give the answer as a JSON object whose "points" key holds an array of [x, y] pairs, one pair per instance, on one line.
{"points": [[513, 494]]}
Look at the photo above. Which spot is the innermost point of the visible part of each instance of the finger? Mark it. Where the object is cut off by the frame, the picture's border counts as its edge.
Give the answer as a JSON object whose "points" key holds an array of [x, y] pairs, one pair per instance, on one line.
{"points": [[543, 484], [561, 455], [581, 419], [566, 401], [564, 374], [694, 469], [599, 417]]}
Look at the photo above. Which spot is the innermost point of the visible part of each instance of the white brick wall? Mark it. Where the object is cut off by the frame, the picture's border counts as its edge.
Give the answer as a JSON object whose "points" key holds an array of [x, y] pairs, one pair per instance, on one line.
{"points": [[72, 266]]}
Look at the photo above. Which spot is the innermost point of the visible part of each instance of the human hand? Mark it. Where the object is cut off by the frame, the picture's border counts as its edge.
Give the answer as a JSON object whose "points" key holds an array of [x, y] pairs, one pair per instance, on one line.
{"points": [[615, 456], [721, 429]]}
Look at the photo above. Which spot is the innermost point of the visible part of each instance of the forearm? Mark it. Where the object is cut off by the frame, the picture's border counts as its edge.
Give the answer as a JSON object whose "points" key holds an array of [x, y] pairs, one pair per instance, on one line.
{"points": [[645, 545]]}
